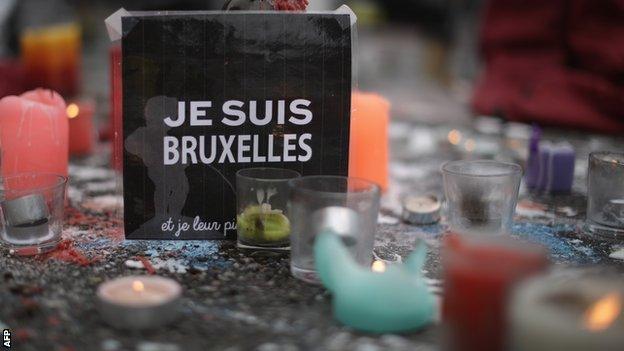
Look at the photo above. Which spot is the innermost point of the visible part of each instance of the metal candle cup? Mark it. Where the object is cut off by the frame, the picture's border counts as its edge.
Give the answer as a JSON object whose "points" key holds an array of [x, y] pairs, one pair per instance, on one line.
{"points": [[26, 218], [342, 221], [139, 302], [421, 210]]}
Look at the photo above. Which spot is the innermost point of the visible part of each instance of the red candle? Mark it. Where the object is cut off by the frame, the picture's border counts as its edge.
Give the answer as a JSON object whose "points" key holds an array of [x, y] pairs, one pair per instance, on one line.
{"points": [[116, 106], [479, 274], [33, 133], [368, 153], [81, 132]]}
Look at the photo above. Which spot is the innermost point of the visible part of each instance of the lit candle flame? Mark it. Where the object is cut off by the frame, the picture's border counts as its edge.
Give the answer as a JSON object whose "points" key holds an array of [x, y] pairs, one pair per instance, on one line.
{"points": [[454, 137], [602, 313], [470, 145], [379, 267], [138, 286], [73, 110]]}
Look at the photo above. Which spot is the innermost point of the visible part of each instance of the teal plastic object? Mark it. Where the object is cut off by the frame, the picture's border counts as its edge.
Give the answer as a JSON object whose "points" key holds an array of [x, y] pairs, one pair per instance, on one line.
{"points": [[393, 301]]}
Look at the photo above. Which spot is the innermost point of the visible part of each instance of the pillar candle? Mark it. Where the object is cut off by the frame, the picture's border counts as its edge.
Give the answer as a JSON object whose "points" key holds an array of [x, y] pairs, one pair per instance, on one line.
{"points": [[81, 132], [51, 57], [34, 133], [116, 106], [368, 154], [479, 274]]}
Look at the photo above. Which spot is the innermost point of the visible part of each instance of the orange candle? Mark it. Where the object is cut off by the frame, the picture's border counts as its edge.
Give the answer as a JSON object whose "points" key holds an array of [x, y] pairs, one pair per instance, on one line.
{"points": [[33, 133], [51, 57], [368, 154], [81, 132]]}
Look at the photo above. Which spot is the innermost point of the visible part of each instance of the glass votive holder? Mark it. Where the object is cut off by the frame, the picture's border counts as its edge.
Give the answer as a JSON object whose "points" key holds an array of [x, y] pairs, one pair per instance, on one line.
{"points": [[263, 221], [350, 206], [605, 195], [32, 206], [481, 196]]}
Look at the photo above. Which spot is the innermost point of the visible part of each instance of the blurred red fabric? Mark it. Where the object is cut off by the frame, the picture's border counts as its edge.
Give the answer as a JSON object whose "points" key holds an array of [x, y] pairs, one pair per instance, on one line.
{"points": [[555, 62]]}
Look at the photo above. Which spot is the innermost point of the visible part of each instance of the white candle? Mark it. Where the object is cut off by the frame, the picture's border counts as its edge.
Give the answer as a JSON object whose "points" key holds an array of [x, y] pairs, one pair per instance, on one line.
{"points": [[139, 302], [568, 313]]}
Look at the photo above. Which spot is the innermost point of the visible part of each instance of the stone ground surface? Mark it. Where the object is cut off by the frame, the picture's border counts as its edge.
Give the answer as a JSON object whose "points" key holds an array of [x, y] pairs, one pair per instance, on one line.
{"points": [[240, 301]]}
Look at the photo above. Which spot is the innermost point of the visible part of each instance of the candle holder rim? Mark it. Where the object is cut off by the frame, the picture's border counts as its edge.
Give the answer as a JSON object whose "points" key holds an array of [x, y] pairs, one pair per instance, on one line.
{"points": [[373, 188], [61, 179], [240, 174], [513, 168], [596, 155], [103, 289]]}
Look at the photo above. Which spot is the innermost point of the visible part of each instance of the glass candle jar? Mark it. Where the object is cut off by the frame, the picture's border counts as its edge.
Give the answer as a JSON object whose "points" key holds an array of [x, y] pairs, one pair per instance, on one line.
{"points": [[262, 197], [316, 202], [32, 206], [481, 196], [605, 195]]}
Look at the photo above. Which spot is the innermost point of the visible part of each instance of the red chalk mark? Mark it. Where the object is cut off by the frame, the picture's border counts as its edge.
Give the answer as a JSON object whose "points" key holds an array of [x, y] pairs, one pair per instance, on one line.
{"points": [[68, 253], [147, 264], [109, 226], [291, 5]]}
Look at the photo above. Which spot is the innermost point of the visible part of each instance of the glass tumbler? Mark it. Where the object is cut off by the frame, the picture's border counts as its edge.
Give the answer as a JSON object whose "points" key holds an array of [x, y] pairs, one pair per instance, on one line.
{"points": [[481, 196], [32, 206], [263, 221], [605, 195], [310, 196]]}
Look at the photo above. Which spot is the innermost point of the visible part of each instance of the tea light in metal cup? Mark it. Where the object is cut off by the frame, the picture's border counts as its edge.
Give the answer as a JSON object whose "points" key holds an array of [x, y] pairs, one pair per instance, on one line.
{"points": [[32, 206], [139, 302], [421, 210], [26, 218], [342, 221]]}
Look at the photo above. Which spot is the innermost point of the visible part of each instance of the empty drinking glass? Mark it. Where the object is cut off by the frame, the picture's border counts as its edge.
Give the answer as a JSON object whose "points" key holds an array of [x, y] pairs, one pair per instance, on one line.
{"points": [[350, 206], [481, 195]]}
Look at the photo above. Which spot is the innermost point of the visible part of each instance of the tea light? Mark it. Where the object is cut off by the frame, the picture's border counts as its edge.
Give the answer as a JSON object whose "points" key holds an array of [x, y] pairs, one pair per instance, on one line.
{"points": [[26, 219], [139, 302], [421, 209], [81, 132], [554, 312]]}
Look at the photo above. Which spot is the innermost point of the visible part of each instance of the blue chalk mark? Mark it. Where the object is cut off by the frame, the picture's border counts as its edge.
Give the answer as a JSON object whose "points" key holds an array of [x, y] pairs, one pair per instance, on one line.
{"points": [[561, 248]]}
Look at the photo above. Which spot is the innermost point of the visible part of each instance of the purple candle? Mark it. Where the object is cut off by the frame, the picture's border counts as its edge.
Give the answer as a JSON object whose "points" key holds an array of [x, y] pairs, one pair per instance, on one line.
{"points": [[556, 167], [533, 165]]}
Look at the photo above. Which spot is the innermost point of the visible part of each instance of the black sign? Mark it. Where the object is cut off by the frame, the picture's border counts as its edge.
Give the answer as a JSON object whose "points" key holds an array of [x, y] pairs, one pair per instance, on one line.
{"points": [[205, 95]]}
